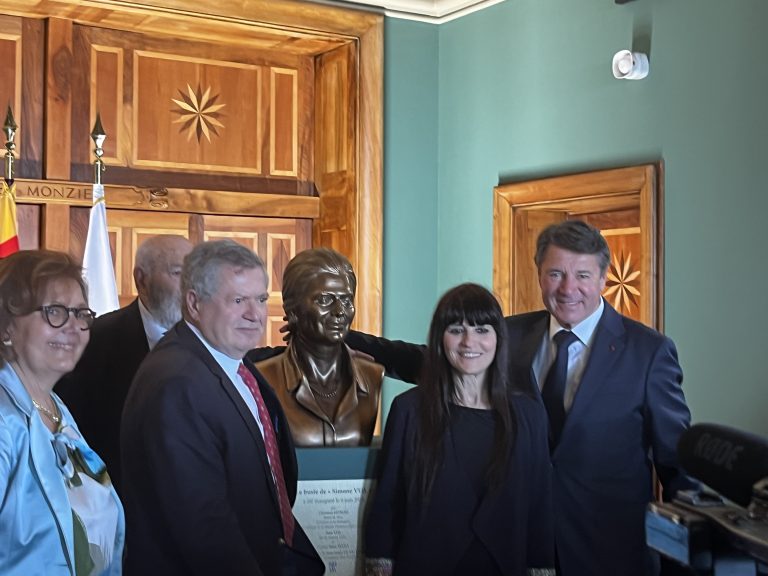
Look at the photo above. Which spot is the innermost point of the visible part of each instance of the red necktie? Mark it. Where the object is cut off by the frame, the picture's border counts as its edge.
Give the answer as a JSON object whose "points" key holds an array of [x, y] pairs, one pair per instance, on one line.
{"points": [[273, 454]]}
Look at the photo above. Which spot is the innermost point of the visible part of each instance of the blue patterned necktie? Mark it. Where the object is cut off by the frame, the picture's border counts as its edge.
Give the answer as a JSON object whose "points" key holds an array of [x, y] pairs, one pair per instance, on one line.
{"points": [[553, 392]]}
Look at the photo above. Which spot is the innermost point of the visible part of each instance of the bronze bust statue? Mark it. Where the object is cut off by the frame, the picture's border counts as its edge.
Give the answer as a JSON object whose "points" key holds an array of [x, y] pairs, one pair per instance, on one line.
{"points": [[329, 397]]}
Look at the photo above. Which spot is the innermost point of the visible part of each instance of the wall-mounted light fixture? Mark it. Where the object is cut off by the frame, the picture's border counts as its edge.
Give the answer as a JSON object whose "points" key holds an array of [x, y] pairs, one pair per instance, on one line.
{"points": [[628, 65]]}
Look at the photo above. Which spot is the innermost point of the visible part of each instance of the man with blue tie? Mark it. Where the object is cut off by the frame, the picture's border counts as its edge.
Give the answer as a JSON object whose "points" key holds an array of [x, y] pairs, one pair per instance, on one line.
{"points": [[619, 410], [612, 388]]}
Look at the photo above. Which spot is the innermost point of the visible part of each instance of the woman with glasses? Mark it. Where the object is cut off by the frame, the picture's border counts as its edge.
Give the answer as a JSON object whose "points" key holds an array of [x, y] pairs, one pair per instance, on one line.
{"points": [[464, 473], [59, 514]]}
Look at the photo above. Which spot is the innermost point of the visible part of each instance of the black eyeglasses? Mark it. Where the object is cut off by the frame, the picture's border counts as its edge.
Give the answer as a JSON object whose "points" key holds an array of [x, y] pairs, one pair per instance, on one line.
{"points": [[57, 315]]}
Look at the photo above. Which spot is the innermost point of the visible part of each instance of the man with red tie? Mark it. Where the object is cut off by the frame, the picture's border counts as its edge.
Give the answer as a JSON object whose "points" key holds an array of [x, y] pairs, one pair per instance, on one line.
{"points": [[209, 468]]}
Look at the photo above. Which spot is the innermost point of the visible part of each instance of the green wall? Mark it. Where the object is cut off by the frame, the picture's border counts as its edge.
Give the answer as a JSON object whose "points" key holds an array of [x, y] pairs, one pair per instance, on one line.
{"points": [[410, 182], [524, 89]]}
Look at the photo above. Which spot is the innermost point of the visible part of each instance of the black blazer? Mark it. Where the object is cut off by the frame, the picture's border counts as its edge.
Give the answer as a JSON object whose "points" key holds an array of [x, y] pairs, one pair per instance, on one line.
{"points": [[198, 490], [627, 417], [95, 391], [514, 523]]}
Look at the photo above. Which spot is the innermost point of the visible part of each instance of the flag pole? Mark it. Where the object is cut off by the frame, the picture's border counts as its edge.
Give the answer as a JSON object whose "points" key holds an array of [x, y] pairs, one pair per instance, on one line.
{"points": [[98, 136], [97, 260], [9, 129], [9, 237]]}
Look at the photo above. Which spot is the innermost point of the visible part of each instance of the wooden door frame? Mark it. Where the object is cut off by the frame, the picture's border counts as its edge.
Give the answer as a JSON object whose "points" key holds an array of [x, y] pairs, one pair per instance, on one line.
{"points": [[607, 189], [247, 22]]}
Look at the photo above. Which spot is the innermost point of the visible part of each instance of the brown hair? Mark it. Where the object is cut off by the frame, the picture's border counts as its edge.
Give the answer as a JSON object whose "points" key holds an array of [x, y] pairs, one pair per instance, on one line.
{"points": [[576, 236], [24, 279]]}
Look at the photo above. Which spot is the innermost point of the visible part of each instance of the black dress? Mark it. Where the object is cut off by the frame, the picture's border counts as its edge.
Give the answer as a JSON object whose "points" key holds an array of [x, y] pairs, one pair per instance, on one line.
{"points": [[472, 435], [500, 531]]}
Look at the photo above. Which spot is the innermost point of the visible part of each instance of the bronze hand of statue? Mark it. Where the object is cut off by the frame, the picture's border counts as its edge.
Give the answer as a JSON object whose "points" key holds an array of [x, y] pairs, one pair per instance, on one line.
{"points": [[285, 330]]}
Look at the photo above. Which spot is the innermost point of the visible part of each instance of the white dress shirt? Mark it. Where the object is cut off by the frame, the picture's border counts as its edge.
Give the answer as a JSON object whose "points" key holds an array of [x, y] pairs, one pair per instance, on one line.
{"points": [[230, 366], [152, 328], [578, 353]]}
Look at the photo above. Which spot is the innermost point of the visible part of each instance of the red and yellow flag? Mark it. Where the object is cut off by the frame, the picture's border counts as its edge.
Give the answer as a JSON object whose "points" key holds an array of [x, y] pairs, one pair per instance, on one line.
{"points": [[9, 238]]}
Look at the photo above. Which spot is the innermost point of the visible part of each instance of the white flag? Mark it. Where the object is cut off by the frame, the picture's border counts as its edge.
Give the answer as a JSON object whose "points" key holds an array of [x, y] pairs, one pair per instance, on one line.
{"points": [[97, 261]]}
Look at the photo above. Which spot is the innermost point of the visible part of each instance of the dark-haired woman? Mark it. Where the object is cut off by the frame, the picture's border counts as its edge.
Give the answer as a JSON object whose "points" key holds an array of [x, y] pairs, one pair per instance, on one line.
{"points": [[59, 514], [464, 480]]}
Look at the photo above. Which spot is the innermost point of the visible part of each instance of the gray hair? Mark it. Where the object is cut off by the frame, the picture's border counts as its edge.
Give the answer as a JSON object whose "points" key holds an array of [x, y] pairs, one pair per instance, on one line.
{"points": [[153, 250], [201, 266], [308, 264], [576, 236]]}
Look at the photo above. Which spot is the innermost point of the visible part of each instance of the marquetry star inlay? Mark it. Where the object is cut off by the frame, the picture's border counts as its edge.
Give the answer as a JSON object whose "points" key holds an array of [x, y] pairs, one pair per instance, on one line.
{"points": [[198, 113], [622, 283]]}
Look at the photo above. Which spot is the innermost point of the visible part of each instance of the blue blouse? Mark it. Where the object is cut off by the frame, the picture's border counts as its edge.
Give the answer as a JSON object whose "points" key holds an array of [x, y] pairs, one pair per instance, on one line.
{"points": [[36, 520]]}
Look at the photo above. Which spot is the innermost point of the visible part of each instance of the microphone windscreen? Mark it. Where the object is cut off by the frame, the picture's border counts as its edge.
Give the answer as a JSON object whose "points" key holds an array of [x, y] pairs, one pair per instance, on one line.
{"points": [[726, 459]]}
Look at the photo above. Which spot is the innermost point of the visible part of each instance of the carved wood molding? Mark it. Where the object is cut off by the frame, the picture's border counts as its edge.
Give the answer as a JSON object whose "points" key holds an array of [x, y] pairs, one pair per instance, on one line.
{"points": [[286, 25], [219, 202]]}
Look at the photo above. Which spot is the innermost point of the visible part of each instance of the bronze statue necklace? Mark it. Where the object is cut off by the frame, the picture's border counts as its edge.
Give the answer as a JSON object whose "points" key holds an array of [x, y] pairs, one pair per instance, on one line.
{"points": [[327, 395]]}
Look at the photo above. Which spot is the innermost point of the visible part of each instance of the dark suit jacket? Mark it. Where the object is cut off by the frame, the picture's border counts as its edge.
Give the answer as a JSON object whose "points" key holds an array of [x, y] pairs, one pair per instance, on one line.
{"points": [[198, 489], [514, 523], [95, 391], [627, 415]]}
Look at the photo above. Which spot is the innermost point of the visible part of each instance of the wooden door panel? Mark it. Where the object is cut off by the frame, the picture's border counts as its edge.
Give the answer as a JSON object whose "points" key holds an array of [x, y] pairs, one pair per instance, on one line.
{"points": [[28, 223], [335, 147], [21, 73], [622, 231], [528, 225], [127, 230], [59, 99], [276, 241], [173, 107], [10, 67]]}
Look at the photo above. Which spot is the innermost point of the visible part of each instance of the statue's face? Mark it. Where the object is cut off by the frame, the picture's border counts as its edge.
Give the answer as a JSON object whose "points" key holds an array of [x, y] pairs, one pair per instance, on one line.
{"points": [[326, 310]]}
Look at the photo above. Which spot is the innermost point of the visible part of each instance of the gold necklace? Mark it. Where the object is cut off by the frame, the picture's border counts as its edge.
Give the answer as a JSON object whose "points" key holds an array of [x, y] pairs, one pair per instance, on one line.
{"points": [[43, 410]]}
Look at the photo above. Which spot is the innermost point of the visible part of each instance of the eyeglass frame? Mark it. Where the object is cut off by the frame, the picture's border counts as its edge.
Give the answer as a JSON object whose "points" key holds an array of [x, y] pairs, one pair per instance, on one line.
{"points": [[71, 312]]}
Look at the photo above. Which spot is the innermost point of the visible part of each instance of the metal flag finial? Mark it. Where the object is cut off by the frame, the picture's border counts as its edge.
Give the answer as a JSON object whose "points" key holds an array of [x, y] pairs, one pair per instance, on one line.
{"points": [[98, 136], [9, 129]]}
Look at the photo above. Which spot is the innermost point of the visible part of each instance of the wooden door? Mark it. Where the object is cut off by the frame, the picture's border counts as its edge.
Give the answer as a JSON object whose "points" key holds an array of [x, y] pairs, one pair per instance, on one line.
{"points": [[624, 203], [276, 240], [209, 111]]}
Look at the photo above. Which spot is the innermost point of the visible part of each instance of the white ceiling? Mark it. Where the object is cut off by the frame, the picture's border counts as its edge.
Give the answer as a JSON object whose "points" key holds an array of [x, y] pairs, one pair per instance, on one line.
{"points": [[434, 11]]}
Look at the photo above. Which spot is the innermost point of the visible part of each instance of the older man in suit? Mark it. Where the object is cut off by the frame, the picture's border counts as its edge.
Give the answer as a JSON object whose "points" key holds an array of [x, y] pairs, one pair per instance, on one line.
{"points": [[95, 391], [612, 389], [209, 468]]}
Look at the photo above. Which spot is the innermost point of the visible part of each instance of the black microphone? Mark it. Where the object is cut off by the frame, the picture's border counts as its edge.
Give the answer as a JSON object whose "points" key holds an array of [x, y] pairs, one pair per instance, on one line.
{"points": [[727, 460]]}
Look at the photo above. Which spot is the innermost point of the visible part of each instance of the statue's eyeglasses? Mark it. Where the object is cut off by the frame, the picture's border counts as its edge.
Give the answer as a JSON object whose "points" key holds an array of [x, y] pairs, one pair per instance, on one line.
{"points": [[57, 315]]}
